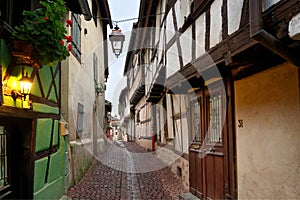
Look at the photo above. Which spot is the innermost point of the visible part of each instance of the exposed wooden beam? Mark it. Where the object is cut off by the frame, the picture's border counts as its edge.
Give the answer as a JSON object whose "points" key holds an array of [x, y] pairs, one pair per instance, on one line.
{"points": [[9, 111]]}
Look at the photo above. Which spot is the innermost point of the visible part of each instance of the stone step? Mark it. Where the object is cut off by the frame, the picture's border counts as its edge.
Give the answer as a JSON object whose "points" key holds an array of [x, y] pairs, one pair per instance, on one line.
{"points": [[188, 196]]}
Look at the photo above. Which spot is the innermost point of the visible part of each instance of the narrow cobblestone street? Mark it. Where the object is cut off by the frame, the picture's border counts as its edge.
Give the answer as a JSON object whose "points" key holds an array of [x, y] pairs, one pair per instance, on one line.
{"points": [[125, 171]]}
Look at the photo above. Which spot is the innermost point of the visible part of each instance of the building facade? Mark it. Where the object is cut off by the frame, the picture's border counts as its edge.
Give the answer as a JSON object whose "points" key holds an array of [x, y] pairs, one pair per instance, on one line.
{"points": [[221, 79], [33, 152], [84, 75], [126, 120], [39, 138]]}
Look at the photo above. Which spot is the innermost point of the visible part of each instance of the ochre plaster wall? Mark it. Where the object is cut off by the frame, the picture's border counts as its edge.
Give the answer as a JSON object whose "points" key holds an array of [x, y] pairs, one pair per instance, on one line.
{"points": [[268, 156]]}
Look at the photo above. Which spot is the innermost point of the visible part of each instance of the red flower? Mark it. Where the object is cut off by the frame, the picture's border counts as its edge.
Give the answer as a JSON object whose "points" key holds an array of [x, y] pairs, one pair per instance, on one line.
{"points": [[70, 47], [69, 22], [66, 37], [46, 18], [62, 42], [69, 39]]}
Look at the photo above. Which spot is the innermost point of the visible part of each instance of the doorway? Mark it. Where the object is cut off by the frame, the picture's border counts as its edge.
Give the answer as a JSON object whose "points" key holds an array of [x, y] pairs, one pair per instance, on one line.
{"points": [[211, 149], [16, 158]]}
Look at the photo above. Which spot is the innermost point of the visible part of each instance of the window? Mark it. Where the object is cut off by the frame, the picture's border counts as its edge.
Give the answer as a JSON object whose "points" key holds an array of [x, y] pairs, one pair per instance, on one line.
{"points": [[215, 106], [80, 113], [11, 10], [3, 158], [76, 35]]}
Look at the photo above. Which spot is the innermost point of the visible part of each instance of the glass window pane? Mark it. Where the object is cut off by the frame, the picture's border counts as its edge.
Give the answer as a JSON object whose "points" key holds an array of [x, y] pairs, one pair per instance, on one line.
{"points": [[214, 134], [196, 122], [76, 29]]}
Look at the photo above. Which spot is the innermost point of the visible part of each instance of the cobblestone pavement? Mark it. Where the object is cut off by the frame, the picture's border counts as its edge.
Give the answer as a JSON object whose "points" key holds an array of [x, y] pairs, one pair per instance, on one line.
{"points": [[125, 171]]}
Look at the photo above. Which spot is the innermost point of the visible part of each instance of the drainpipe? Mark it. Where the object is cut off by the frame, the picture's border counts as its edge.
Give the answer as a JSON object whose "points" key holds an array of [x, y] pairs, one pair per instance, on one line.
{"points": [[266, 39], [154, 126]]}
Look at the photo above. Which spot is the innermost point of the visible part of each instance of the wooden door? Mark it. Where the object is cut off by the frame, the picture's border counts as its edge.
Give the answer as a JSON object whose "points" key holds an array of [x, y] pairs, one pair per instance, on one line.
{"points": [[196, 177], [214, 146], [16, 155], [208, 154]]}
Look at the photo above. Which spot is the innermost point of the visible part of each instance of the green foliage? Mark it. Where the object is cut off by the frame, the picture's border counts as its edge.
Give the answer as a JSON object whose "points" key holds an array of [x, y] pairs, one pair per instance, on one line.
{"points": [[45, 29]]}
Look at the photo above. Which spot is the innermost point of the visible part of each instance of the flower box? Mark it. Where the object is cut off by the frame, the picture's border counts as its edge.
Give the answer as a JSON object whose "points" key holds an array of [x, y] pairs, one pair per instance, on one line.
{"points": [[24, 53]]}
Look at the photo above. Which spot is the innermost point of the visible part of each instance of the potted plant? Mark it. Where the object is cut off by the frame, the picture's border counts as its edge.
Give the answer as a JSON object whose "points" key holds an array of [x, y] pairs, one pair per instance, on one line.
{"points": [[42, 35]]}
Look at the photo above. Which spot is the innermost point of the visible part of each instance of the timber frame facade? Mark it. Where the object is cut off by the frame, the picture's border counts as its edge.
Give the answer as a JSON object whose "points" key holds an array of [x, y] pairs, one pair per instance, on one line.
{"points": [[203, 64], [32, 150], [34, 141]]}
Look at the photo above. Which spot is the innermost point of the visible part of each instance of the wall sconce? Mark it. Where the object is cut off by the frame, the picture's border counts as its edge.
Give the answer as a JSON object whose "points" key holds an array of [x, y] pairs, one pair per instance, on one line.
{"points": [[117, 39], [25, 84], [99, 88]]}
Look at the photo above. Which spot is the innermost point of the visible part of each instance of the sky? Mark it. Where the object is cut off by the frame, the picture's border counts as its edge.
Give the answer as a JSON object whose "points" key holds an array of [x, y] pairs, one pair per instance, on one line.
{"points": [[119, 10]]}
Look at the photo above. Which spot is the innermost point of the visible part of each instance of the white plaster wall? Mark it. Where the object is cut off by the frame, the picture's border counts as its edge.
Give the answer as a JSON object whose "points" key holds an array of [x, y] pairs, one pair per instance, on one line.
{"points": [[182, 11], [185, 124], [131, 128], [170, 30], [172, 61], [163, 7], [181, 125], [200, 35], [268, 156], [91, 43], [234, 12], [178, 136], [149, 71], [177, 13], [215, 23], [158, 21], [268, 3], [186, 41], [141, 129], [77, 87], [68, 76], [162, 45], [78, 79]]}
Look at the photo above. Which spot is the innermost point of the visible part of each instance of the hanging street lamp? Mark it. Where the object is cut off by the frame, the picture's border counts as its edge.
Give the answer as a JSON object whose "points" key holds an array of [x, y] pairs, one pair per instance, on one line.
{"points": [[117, 39]]}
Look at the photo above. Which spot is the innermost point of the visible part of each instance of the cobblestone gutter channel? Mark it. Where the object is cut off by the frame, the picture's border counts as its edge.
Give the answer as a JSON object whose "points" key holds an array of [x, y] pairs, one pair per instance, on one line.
{"points": [[132, 183]]}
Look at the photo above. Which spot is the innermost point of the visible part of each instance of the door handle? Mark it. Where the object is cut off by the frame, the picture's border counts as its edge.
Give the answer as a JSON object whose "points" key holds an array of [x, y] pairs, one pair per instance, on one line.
{"points": [[210, 150]]}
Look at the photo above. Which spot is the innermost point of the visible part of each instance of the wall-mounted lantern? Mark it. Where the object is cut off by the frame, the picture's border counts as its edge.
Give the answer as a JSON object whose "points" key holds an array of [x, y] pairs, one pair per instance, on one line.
{"points": [[99, 88], [25, 84], [117, 39], [14, 92]]}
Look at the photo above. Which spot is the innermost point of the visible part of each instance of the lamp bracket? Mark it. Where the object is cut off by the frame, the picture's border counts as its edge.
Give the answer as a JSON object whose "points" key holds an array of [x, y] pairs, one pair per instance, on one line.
{"points": [[14, 94]]}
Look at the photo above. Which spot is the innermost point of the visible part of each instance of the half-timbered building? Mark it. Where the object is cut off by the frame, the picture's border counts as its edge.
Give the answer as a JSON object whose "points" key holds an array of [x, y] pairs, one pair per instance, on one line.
{"points": [[32, 150], [224, 78], [34, 142]]}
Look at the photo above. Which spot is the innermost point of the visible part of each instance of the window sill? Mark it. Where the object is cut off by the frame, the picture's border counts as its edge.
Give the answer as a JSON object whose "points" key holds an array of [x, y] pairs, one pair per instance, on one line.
{"points": [[81, 142]]}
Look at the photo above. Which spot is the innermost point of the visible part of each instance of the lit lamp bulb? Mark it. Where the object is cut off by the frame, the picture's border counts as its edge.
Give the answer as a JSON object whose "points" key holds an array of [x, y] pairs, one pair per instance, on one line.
{"points": [[25, 84]]}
